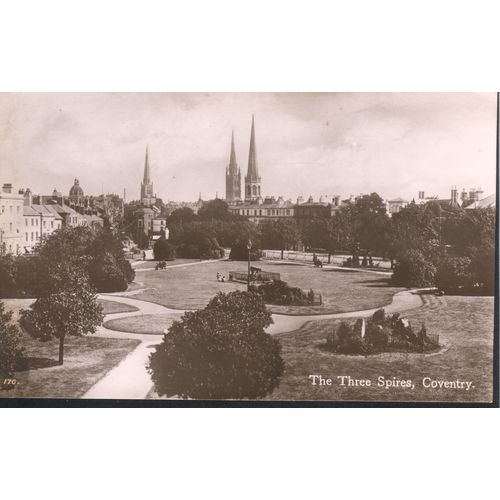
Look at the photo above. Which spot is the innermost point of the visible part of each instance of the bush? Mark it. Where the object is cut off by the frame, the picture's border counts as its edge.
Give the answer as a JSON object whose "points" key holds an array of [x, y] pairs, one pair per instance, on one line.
{"points": [[483, 268], [381, 334], [220, 352], [280, 293], [8, 271], [454, 275], [163, 250], [208, 248], [239, 251], [10, 343], [414, 269]]}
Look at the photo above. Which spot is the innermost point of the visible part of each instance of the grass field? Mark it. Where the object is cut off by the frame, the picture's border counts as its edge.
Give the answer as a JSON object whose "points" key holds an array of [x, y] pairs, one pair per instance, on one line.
{"points": [[86, 360], [465, 327], [191, 287], [113, 307], [153, 324]]}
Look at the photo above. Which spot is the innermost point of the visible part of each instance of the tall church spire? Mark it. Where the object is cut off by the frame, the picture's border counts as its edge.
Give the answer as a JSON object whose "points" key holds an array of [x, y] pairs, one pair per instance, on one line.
{"points": [[147, 196], [252, 179], [252, 173], [233, 175], [147, 175], [232, 157]]}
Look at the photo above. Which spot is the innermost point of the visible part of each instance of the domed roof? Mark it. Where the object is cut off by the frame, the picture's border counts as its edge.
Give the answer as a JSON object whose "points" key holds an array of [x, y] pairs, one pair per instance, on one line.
{"points": [[76, 190]]}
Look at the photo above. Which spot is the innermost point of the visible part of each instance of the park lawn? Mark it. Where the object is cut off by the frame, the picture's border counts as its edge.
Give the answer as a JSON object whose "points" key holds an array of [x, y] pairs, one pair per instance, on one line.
{"points": [[113, 307], [153, 324], [86, 360], [192, 287], [465, 328]]}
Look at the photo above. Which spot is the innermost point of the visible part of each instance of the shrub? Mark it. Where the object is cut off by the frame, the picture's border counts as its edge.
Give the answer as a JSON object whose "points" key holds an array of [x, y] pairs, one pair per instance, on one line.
{"points": [[163, 250], [280, 293], [414, 269], [382, 334], [483, 268], [220, 352], [208, 248], [10, 343], [239, 251], [454, 275], [8, 271]]}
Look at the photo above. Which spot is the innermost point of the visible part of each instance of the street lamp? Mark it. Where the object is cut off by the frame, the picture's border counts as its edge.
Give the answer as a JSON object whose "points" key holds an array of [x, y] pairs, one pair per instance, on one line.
{"points": [[249, 247]]}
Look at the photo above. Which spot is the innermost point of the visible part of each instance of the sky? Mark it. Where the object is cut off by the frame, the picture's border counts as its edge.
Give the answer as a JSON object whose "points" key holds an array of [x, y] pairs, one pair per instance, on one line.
{"points": [[308, 144]]}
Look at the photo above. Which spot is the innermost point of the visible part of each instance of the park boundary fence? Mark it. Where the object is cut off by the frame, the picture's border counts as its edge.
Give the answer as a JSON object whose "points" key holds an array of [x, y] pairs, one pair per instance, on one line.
{"points": [[336, 260]]}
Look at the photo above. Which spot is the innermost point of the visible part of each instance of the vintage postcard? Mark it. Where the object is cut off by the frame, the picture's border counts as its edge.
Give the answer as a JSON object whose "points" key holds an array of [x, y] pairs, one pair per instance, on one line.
{"points": [[249, 248]]}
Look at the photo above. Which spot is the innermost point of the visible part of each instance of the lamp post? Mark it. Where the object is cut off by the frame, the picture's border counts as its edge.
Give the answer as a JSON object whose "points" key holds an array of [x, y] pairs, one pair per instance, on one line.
{"points": [[249, 247]]}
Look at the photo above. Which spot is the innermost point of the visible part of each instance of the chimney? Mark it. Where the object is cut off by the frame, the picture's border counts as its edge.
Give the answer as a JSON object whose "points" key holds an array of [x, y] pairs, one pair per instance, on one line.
{"points": [[336, 200], [7, 188], [463, 196], [300, 200], [472, 194], [421, 195], [454, 195], [28, 198]]}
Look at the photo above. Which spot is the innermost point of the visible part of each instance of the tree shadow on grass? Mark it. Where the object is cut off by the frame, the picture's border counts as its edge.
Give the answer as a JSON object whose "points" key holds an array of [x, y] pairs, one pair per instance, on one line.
{"points": [[377, 283], [35, 363]]}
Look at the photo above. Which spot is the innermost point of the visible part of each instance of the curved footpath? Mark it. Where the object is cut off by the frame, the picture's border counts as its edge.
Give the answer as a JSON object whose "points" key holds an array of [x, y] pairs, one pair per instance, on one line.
{"points": [[130, 380]]}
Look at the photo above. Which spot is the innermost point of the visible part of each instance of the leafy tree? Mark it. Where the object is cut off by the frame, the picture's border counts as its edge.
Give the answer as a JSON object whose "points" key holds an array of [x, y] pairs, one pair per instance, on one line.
{"points": [[181, 215], [220, 352], [215, 209], [163, 249], [370, 223], [10, 343], [280, 234], [69, 308]]}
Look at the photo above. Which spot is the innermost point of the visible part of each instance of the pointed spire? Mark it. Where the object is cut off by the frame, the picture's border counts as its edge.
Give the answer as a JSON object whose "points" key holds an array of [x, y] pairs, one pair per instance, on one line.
{"points": [[232, 157], [252, 173], [146, 168]]}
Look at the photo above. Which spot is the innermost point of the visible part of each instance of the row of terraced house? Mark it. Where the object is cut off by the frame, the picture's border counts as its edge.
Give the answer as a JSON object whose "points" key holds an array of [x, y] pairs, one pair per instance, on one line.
{"points": [[25, 220]]}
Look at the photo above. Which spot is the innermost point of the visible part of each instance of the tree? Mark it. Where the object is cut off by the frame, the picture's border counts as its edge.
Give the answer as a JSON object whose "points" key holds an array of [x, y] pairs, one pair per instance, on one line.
{"points": [[163, 249], [181, 215], [8, 272], [220, 352], [454, 274], [280, 234], [69, 308], [370, 222], [10, 343], [215, 209]]}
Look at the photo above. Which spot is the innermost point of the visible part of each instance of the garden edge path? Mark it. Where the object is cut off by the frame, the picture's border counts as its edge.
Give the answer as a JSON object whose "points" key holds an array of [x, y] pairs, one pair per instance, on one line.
{"points": [[130, 379]]}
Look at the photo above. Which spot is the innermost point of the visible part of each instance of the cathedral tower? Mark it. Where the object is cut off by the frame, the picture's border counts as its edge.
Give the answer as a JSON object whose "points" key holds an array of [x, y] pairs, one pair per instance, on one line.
{"points": [[147, 196], [233, 176], [252, 179]]}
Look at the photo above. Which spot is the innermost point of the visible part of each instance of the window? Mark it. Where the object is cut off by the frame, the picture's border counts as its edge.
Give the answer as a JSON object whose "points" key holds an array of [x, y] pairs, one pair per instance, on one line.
{"points": [[3, 208], [31, 235], [18, 208], [10, 227], [26, 220], [32, 222], [52, 223], [44, 223], [10, 208], [36, 234], [26, 236]]}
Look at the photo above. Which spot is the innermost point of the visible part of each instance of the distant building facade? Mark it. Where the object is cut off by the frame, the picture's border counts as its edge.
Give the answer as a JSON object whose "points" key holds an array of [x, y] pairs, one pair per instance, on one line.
{"points": [[11, 220]]}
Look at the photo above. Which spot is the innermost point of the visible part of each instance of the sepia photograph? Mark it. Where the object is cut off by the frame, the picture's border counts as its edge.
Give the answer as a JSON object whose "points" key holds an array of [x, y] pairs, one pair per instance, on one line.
{"points": [[251, 248]]}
